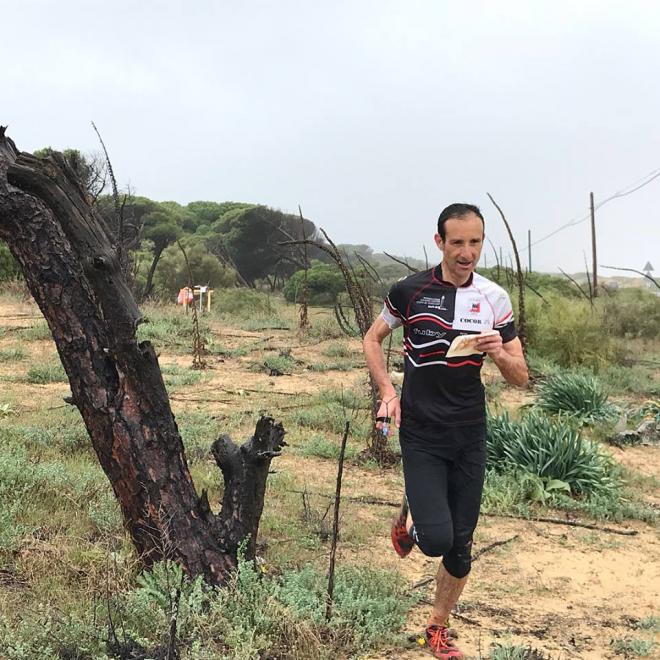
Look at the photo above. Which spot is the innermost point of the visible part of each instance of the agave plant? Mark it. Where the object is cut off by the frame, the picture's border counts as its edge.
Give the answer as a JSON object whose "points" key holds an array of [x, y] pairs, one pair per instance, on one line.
{"points": [[552, 449], [577, 394]]}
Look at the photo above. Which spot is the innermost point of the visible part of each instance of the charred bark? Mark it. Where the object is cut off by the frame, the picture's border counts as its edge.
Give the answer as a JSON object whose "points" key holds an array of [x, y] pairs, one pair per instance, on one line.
{"points": [[65, 251]]}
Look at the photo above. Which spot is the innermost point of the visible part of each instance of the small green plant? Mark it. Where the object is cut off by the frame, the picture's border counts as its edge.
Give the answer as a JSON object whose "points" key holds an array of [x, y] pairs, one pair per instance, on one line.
{"points": [[633, 647], [515, 652], [325, 327], [337, 350], [176, 376], [579, 340], [42, 374], [319, 445], [341, 365], [37, 332], [276, 365], [552, 449], [12, 355], [6, 410], [650, 622], [244, 303], [577, 394], [171, 328]]}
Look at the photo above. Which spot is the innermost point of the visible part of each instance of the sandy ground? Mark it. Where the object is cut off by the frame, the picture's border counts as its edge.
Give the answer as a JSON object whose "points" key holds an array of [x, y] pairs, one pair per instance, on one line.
{"points": [[567, 592]]}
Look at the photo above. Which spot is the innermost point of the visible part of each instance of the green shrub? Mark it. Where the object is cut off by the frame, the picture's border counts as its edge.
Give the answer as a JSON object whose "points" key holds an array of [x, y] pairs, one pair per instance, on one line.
{"points": [[12, 355], [331, 417], [577, 394], [340, 365], [170, 327], [276, 365], [514, 652], [632, 647], [553, 450], [176, 376], [633, 312], [337, 350], [41, 374], [635, 379], [319, 445], [325, 327], [244, 303], [570, 333], [324, 281]]}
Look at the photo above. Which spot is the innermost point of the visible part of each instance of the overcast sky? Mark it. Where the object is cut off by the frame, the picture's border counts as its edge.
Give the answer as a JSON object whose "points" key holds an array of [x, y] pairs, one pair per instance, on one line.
{"points": [[372, 115]]}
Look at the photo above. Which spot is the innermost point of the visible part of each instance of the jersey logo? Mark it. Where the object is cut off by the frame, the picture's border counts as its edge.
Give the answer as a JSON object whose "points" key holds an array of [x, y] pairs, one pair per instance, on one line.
{"points": [[434, 303], [476, 307]]}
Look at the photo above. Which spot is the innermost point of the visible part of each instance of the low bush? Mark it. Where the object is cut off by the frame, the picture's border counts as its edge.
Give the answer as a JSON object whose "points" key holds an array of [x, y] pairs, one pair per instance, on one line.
{"points": [[12, 355], [41, 374], [244, 303], [569, 333], [170, 327], [276, 365], [580, 395], [324, 284], [254, 616], [632, 647], [325, 327], [633, 312], [552, 449], [319, 445], [515, 652]]}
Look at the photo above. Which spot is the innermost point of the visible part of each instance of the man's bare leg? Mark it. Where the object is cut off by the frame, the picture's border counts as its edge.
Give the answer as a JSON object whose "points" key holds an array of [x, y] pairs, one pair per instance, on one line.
{"points": [[447, 592]]}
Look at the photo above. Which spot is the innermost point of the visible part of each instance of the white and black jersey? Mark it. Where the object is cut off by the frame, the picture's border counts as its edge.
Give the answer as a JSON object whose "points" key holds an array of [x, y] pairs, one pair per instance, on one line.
{"points": [[438, 390]]}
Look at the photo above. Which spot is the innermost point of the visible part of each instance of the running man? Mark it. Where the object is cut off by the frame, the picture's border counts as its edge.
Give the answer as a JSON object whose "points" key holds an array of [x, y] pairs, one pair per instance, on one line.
{"points": [[441, 414]]}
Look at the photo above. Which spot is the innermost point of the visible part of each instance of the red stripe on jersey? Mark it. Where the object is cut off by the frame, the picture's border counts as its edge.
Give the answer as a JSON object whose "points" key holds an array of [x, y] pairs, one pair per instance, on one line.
{"points": [[460, 364], [392, 310], [504, 318], [432, 319], [432, 353]]}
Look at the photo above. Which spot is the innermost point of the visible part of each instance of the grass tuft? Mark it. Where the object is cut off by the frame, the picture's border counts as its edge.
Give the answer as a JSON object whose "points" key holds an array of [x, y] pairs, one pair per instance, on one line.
{"points": [[41, 374], [554, 450], [578, 394]]}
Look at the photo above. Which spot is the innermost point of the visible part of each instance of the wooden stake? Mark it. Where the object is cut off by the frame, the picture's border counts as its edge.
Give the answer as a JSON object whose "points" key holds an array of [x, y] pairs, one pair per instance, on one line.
{"points": [[335, 525], [594, 265]]}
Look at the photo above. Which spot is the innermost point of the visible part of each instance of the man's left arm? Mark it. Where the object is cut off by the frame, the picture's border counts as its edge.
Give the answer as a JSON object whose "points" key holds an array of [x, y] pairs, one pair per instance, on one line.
{"points": [[508, 357]]}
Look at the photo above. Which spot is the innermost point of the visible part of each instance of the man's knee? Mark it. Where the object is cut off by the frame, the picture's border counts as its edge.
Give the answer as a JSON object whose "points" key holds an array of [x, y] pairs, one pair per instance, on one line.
{"points": [[458, 561], [434, 540]]}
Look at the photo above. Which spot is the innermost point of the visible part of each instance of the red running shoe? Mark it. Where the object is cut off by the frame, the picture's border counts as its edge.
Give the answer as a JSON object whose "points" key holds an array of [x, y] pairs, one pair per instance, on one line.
{"points": [[402, 541], [437, 637]]}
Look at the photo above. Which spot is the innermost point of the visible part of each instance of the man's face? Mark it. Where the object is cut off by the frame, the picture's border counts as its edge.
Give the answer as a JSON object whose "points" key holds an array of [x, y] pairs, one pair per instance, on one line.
{"points": [[464, 238]]}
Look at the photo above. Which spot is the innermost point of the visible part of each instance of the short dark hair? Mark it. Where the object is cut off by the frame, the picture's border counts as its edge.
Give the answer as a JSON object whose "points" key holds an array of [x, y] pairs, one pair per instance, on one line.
{"points": [[457, 211]]}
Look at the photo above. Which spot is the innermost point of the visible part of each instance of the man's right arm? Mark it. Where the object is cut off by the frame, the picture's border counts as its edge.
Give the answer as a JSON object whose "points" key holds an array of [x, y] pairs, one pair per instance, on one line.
{"points": [[373, 353]]}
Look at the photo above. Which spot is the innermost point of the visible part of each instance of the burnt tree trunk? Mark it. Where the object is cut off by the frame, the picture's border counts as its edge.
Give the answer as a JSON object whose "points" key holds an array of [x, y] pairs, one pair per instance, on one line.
{"points": [[64, 249]]}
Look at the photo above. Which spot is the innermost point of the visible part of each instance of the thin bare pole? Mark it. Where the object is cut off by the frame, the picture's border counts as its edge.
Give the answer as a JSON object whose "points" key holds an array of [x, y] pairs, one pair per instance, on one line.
{"points": [[529, 250], [522, 333], [594, 265], [335, 525]]}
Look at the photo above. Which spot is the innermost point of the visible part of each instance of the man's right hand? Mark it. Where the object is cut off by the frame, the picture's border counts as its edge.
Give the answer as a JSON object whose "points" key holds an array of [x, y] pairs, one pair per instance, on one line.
{"points": [[389, 407]]}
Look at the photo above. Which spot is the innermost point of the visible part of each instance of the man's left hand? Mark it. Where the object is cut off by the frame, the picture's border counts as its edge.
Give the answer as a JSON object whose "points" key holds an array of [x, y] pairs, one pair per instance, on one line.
{"points": [[491, 344]]}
